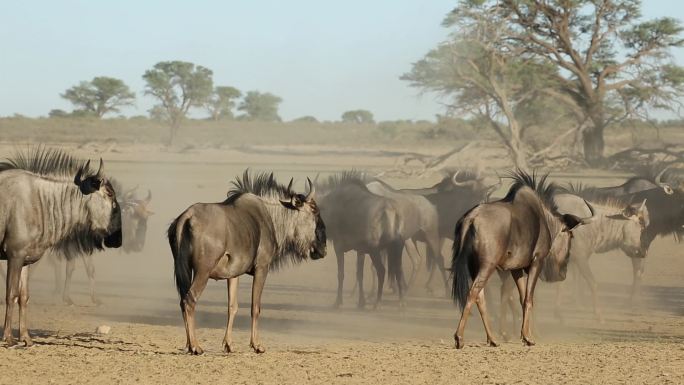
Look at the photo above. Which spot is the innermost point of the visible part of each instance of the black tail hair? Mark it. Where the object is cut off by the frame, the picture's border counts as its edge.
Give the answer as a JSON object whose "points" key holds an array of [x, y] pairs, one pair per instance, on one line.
{"points": [[464, 264], [181, 248]]}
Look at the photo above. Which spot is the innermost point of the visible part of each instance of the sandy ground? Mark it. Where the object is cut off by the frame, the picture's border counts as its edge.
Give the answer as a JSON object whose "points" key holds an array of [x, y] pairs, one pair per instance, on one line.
{"points": [[306, 340]]}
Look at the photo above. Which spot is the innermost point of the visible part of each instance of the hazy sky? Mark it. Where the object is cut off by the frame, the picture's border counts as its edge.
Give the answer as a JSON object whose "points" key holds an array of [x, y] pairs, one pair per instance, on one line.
{"points": [[321, 57]]}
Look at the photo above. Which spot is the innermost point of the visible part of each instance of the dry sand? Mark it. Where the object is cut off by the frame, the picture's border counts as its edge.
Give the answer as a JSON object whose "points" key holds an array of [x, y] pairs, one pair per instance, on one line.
{"points": [[306, 340]]}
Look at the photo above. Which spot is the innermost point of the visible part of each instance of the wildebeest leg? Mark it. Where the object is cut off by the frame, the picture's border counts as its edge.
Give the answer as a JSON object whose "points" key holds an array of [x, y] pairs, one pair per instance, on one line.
{"points": [[70, 267], [14, 266], [360, 258], [507, 285], [473, 297], [23, 307], [339, 254], [585, 271], [90, 270], [414, 256], [380, 273], [638, 271], [55, 262], [188, 304], [232, 311], [520, 281], [434, 252], [532, 276], [394, 261], [257, 288], [482, 307]]}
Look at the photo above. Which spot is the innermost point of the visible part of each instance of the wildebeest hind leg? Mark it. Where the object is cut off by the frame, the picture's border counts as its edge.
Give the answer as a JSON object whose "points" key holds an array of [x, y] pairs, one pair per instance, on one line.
{"points": [[473, 297], [380, 274], [585, 271], [257, 288], [232, 311], [23, 307], [482, 306], [188, 304]]}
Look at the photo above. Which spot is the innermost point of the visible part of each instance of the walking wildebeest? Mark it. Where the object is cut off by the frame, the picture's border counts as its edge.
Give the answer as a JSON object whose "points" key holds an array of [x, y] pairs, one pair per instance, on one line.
{"points": [[259, 227], [523, 232], [616, 226], [359, 220], [666, 216], [48, 212], [134, 215]]}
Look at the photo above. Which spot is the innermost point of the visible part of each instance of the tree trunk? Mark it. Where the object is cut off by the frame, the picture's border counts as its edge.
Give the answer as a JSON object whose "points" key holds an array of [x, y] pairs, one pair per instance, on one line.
{"points": [[518, 154], [173, 132], [592, 140]]}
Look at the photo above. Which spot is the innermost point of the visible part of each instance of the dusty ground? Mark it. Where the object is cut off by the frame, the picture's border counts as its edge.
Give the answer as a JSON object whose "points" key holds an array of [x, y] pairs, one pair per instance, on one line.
{"points": [[308, 341]]}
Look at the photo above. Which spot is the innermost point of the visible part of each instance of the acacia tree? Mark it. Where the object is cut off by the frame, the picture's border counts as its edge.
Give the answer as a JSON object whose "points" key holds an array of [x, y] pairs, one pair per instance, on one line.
{"points": [[612, 65], [260, 106], [178, 86], [482, 76], [100, 96], [222, 102], [358, 116]]}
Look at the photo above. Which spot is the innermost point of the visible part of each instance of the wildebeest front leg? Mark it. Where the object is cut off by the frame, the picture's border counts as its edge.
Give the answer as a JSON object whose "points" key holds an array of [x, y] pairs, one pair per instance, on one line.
{"points": [[380, 274], [638, 272], [23, 307], [257, 288], [232, 311], [585, 271], [474, 297], [360, 259], [70, 267], [414, 257], [14, 266], [339, 254], [532, 276], [90, 270]]}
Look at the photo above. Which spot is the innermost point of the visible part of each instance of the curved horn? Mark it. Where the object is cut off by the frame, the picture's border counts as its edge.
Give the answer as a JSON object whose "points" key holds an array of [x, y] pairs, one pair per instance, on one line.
{"points": [[593, 216], [289, 185], [666, 187], [312, 190], [455, 182], [79, 175], [100, 170], [643, 205]]}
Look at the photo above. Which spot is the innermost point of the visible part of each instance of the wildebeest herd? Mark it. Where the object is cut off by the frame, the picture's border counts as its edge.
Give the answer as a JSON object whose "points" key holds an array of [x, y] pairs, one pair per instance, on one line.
{"points": [[56, 204]]}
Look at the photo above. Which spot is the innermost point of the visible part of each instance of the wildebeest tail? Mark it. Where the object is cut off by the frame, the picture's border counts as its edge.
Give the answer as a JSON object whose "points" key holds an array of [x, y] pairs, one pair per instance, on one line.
{"points": [[181, 248], [463, 261]]}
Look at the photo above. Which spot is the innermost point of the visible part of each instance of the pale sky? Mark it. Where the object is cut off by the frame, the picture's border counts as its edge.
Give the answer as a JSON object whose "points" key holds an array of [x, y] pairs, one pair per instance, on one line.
{"points": [[321, 57]]}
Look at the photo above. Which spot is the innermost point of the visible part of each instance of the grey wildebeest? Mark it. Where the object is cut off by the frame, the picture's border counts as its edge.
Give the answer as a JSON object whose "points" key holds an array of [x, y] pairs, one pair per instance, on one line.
{"points": [[453, 196], [666, 214], [259, 227], [523, 232], [134, 215], [367, 223], [51, 208]]}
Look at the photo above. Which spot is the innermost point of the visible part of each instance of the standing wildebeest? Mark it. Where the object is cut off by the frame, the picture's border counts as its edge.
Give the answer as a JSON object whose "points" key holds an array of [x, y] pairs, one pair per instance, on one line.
{"points": [[616, 226], [453, 196], [134, 215], [47, 212], [260, 226], [523, 232], [359, 220]]}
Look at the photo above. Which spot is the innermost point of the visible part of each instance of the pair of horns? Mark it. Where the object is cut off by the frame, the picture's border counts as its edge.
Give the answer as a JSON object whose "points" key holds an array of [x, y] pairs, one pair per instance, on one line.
{"points": [[590, 219], [79, 175], [312, 189], [666, 187]]}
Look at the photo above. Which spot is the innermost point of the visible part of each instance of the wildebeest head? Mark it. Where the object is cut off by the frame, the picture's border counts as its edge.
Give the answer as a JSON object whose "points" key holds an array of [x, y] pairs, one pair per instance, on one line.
{"points": [[307, 233], [135, 213], [100, 202], [637, 218]]}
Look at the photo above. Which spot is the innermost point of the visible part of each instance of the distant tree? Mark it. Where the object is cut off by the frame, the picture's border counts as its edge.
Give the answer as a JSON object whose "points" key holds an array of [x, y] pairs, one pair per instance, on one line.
{"points": [[222, 102], [358, 116], [305, 119], [178, 86], [260, 106], [100, 96], [57, 113]]}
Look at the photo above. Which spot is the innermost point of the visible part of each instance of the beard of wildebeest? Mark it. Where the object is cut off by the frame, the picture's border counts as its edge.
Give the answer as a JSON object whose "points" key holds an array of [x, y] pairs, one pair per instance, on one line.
{"points": [[299, 230], [101, 205], [556, 263]]}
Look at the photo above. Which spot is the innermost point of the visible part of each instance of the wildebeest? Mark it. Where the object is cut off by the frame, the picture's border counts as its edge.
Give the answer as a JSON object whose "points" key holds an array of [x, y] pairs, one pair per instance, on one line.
{"points": [[523, 232], [134, 215], [260, 226], [666, 213], [359, 220], [51, 208], [617, 225]]}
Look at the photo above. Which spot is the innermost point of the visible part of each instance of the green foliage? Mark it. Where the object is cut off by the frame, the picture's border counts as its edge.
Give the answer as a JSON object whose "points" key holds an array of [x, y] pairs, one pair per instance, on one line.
{"points": [[100, 96], [358, 117], [178, 86], [222, 102], [260, 106], [57, 113]]}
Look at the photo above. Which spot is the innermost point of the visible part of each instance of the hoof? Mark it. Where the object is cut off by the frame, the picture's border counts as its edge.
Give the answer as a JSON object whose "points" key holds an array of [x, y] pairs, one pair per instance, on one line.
{"points": [[228, 347], [459, 342], [528, 341], [196, 351], [67, 301], [258, 349], [492, 343], [9, 341]]}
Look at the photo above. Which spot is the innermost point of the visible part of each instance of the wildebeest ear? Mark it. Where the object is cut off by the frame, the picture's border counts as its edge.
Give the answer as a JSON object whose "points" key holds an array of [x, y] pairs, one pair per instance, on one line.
{"points": [[571, 221]]}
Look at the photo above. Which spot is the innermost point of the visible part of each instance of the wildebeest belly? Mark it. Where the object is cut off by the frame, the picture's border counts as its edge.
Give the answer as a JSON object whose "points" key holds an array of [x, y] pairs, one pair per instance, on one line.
{"points": [[230, 267]]}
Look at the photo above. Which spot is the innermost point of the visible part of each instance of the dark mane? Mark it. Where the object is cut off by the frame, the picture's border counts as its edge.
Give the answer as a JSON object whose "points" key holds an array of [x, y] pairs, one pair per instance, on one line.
{"points": [[261, 184], [45, 161], [539, 183], [354, 177]]}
